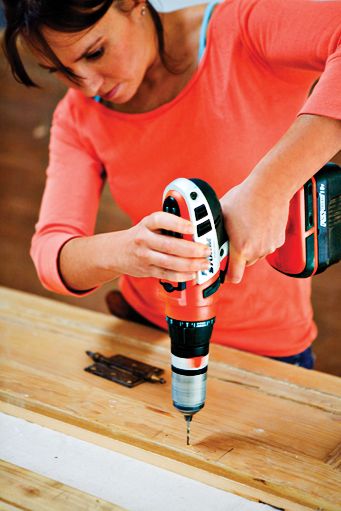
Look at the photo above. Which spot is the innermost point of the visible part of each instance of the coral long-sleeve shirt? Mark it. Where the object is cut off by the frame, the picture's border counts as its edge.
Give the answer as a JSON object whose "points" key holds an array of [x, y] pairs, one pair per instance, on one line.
{"points": [[261, 59]]}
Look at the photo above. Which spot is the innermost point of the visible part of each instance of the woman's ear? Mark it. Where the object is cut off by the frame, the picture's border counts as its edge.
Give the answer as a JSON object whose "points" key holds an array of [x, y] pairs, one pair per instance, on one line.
{"points": [[131, 5], [139, 7]]}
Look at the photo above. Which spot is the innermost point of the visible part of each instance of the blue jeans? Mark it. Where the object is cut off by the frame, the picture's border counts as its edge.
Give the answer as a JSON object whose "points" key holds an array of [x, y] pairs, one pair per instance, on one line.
{"points": [[305, 359]]}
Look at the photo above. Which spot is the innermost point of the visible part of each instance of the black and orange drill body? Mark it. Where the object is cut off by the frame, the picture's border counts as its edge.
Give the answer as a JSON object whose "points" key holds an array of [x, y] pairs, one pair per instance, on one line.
{"points": [[191, 306], [313, 232]]}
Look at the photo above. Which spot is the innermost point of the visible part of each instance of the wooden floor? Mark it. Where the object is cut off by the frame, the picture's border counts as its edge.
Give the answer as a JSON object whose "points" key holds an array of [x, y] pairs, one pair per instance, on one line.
{"points": [[25, 116]]}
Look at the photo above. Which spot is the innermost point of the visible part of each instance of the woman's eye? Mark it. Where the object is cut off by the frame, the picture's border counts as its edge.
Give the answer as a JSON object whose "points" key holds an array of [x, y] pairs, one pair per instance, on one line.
{"points": [[95, 55]]}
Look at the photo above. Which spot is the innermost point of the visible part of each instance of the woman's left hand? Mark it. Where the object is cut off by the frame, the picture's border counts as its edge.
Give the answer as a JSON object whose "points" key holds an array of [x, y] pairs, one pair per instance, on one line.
{"points": [[256, 211], [255, 223]]}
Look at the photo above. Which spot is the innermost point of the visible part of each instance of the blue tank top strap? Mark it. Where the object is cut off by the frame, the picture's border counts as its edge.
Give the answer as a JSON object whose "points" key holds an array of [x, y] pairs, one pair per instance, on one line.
{"points": [[203, 32]]}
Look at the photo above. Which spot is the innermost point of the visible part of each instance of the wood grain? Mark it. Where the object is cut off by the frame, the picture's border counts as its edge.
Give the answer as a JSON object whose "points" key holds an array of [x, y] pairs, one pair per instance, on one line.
{"points": [[21, 489], [269, 432]]}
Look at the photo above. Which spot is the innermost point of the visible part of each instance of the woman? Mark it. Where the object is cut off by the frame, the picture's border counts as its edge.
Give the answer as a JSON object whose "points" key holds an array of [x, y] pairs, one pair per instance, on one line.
{"points": [[142, 109]]}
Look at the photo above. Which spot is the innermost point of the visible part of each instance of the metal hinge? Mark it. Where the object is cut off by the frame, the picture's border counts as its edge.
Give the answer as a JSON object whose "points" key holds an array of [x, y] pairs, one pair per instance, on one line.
{"points": [[124, 370]]}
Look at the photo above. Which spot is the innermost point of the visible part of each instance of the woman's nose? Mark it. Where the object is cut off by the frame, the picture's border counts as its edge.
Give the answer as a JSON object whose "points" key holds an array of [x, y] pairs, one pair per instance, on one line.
{"points": [[91, 83]]}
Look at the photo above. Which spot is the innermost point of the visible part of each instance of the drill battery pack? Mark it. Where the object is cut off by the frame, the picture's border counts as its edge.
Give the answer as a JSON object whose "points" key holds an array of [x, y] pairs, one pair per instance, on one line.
{"points": [[313, 232]]}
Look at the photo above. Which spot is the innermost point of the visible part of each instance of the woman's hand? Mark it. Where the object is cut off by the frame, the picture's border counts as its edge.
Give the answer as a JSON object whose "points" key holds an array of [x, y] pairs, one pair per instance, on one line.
{"points": [[255, 223], [141, 251], [146, 252], [256, 211]]}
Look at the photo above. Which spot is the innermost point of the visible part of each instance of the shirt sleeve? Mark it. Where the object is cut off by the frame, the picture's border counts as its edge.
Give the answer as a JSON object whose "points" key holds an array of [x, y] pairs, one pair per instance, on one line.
{"points": [[293, 36], [71, 197]]}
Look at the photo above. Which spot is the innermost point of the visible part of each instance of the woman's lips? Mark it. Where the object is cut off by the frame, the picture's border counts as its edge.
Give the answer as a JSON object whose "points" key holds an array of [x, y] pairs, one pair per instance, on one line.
{"points": [[111, 94]]}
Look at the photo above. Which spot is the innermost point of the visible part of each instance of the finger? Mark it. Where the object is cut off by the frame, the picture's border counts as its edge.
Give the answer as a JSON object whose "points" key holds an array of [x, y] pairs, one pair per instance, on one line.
{"points": [[178, 264], [236, 267], [173, 276], [169, 222], [250, 263], [177, 246]]}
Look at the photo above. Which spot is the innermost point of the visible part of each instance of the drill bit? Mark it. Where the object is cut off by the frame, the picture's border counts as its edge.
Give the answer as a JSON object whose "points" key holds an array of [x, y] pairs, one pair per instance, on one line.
{"points": [[188, 419]]}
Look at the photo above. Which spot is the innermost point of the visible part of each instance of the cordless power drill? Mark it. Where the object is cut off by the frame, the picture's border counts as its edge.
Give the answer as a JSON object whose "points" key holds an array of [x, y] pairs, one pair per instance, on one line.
{"points": [[191, 306], [312, 244]]}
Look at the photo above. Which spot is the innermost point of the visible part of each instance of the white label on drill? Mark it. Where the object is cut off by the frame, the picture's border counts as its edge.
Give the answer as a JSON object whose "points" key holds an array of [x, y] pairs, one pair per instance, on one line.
{"points": [[323, 212], [195, 198], [190, 364]]}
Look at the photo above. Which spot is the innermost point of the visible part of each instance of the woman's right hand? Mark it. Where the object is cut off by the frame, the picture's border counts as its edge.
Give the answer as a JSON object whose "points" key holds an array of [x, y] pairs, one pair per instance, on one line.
{"points": [[147, 252], [141, 251]]}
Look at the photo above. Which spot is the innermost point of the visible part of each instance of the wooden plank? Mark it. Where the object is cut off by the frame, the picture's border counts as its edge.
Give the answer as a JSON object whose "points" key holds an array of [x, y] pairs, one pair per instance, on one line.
{"points": [[174, 465], [108, 474], [268, 431], [21, 489], [334, 458], [8, 507]]}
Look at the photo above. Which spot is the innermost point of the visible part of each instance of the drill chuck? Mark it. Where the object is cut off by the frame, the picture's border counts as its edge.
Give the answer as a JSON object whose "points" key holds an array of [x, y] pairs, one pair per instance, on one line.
{"points": [[189, 349], [189, 392]]}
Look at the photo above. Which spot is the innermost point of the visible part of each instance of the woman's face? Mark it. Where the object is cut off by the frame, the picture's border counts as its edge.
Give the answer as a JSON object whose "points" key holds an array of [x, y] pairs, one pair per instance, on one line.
{"points": [[112, 57]]}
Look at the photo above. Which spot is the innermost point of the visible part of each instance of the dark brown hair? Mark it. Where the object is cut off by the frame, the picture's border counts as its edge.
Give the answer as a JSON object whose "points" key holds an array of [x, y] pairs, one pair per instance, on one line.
{"points": [[25, 18]]}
